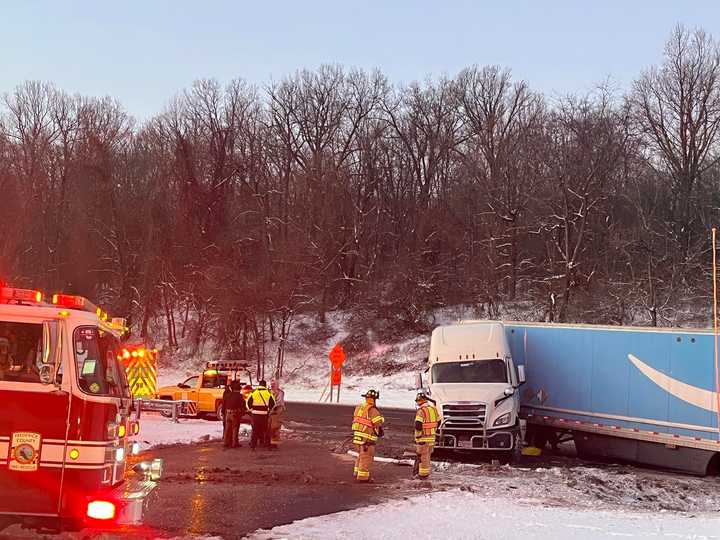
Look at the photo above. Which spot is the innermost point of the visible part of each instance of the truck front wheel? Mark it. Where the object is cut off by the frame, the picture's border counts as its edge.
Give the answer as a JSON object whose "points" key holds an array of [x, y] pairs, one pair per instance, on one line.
{"points": [[219, 411]]}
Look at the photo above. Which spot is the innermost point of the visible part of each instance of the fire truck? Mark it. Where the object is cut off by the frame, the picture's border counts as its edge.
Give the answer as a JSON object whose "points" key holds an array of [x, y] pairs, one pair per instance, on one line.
{"points": [[67, 418]]}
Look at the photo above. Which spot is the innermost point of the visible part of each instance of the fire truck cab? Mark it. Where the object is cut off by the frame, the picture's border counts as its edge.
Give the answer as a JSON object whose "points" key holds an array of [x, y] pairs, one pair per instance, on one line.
{"points": [[67, 423]]}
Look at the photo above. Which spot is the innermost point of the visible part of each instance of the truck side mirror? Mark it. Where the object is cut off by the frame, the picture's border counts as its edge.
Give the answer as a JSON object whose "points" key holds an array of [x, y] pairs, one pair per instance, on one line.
{"points": [[45, 373], [50, 357], [521, 374], [418, 381]]}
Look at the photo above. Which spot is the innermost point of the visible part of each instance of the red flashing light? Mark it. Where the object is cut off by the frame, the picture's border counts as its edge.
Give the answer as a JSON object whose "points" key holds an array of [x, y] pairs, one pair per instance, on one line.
{"points": [[69, 301], [8, 294], [102, 510]]}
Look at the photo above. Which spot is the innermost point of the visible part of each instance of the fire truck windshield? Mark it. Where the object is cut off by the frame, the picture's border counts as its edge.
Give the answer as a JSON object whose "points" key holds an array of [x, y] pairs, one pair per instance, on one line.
{"points": [[98, 370]]}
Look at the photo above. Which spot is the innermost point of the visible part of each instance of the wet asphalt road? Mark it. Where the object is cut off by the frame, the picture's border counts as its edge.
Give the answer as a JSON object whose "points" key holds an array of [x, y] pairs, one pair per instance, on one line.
{"points": [[209, 490], [230, 493]]}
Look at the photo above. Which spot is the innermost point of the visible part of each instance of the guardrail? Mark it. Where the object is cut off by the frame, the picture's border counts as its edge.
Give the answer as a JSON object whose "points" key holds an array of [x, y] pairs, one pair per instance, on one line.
{"points": [[171, 409]]}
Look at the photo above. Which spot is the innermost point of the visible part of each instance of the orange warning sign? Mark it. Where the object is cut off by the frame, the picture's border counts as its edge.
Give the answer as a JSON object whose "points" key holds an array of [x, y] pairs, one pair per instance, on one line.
{"points": [[337, 356]]}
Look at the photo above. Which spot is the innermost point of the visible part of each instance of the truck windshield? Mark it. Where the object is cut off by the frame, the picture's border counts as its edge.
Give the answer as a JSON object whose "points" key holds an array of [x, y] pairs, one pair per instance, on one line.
{"points": [[470, 371], [99, 371], [213, 379]]}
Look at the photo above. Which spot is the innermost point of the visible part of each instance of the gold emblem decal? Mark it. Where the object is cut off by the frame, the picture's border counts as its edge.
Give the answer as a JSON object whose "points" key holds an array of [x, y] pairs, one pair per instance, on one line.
{"points": [[24, 451]]}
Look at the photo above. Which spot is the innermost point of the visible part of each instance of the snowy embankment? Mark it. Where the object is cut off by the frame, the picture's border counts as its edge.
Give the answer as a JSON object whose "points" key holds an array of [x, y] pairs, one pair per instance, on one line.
{"points": [[307, 367], [463, 515]]}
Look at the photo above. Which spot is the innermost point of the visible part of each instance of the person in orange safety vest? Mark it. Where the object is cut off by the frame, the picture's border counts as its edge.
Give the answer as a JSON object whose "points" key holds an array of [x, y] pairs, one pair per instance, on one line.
{"points": [[426, 422], [366, 427]]}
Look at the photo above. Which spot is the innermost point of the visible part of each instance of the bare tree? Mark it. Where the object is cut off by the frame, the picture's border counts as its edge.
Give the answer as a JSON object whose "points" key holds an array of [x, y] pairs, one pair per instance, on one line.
{"points": [[678, 108]]}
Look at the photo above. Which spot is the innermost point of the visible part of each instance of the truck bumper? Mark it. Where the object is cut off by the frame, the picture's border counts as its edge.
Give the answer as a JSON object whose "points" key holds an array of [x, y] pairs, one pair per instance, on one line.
{"points": [[131, 498], [491, 440]]}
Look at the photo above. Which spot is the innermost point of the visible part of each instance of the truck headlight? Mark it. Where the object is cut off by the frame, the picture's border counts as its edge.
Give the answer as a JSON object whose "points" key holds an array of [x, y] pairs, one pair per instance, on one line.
{"points": [[502, 420]]}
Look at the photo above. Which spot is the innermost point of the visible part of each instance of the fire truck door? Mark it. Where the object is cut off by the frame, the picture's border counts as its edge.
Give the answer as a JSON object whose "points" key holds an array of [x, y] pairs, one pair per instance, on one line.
{"points": [[33, 430]]}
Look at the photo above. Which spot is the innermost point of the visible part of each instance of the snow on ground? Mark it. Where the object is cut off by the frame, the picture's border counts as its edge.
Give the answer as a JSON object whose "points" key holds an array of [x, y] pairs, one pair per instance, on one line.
{"points": [[155, 430], [395, 391], [462, 515]]}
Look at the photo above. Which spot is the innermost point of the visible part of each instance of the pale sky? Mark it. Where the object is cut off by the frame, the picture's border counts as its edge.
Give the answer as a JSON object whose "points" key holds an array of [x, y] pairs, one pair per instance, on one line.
{"points": [[144, 52]]}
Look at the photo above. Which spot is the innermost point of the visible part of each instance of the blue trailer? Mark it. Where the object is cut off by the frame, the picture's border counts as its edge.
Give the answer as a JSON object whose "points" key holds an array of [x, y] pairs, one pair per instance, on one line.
{"points": [[646, 395]]}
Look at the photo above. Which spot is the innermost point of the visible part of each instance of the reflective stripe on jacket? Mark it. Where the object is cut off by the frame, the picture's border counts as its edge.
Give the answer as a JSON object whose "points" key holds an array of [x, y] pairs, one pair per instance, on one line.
{"points": [[260, 401], [426, 421], [366, 420]]}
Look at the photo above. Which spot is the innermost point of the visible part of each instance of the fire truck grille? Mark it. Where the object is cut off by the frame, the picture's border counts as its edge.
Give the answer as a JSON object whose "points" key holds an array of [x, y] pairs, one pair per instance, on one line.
{"points": [[464, 415]]}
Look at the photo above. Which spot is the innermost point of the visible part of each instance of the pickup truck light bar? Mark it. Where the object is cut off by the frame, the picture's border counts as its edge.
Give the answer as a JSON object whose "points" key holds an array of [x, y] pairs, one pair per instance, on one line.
{"points": [[226, 365]]}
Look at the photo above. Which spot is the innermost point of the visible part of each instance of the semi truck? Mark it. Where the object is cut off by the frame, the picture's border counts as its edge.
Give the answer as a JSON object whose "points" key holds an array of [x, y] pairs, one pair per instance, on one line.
{"points": [[644, 395], [474, 381]]}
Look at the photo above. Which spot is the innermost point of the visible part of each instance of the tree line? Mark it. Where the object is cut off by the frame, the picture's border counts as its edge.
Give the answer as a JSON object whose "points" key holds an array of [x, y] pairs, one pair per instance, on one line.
{"points": [[238, 207]]}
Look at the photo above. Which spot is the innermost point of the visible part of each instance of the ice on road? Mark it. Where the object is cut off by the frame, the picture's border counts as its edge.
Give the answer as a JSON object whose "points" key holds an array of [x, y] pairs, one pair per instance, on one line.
{"points": [[463, 515]]}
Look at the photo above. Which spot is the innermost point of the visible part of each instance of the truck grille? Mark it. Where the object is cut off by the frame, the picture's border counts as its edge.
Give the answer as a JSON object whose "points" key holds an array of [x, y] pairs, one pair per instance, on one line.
{"points": [[464, 415]]}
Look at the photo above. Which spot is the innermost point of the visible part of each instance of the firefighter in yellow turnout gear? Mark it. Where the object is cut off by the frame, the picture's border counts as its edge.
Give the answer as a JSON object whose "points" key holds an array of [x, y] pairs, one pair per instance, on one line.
{"points": [[426, 422], [366, 427]]}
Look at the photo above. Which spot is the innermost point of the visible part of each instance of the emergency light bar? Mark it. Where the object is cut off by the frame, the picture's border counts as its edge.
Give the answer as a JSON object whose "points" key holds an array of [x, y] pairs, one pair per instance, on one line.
{"points": [[226, 366], [9, 294], [73, 302]]}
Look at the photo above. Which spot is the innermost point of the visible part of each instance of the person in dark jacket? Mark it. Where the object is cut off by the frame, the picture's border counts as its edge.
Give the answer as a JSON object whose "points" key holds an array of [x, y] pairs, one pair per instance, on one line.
{"points": [[234, 405]]}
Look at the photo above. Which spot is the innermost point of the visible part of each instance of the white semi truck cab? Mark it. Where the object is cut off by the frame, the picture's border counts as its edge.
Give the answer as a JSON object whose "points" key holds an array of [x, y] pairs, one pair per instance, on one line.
{"points": [[474, 382]]}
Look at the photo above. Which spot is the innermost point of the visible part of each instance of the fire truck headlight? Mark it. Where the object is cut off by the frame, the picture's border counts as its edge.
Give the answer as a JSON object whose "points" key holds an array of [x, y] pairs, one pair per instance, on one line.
{"points": [[119, 454], [135, 448], [100, 510]]}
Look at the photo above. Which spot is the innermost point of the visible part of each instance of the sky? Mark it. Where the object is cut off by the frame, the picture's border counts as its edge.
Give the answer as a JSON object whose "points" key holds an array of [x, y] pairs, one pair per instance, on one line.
{"points": [[145, 52]]}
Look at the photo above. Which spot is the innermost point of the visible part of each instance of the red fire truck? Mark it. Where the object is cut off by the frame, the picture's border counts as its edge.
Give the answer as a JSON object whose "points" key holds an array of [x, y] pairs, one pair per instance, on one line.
{"points": [[67, 422]]}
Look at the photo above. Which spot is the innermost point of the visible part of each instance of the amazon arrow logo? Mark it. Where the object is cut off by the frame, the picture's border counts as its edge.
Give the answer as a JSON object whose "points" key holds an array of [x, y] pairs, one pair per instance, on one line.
{"points": [[705, 399]]}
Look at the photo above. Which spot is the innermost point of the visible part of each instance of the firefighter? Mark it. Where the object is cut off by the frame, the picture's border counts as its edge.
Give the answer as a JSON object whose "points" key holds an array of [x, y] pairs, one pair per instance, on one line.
{"points": [[234, 406], [259, 404], [426, 421], [366, 427], [276, 415]]}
